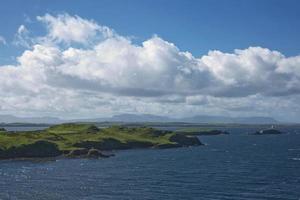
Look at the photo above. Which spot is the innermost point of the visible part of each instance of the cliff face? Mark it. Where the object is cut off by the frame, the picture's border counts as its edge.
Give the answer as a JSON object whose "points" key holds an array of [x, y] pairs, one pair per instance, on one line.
{"points": [[85, 140], [105, 144], [183, 140], [37, 149]]}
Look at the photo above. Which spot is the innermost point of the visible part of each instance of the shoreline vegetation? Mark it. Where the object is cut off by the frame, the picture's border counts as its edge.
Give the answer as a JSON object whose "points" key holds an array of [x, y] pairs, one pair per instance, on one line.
{"points": [[73, 140]]}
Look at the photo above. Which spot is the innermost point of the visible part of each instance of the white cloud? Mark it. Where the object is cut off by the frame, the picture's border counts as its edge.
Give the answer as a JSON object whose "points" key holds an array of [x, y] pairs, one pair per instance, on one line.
{"points": [[289, 66], [111, 74], [254, 70], [2, 40], [67, 29], [22, 37]]}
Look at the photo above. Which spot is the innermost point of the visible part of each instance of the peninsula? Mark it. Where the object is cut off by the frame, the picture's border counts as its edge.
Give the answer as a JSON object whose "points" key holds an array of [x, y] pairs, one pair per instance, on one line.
{"points": [[86, 140], [200, 131]]}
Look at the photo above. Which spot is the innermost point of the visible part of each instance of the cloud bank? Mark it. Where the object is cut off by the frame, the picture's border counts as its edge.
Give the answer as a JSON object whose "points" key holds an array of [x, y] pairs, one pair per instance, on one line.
{"points": [[81, 68]]}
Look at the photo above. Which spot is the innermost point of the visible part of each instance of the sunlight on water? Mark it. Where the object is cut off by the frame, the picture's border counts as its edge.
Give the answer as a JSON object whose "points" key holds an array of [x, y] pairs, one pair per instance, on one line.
{"points": [[236, 166]]}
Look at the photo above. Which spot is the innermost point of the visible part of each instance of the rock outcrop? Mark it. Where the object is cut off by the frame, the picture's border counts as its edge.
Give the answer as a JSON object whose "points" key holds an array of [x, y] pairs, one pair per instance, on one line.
{"points": [[38, 149], [87, 153], [77, 153], [183, 140], [213, 132], [105, 144], [95, 153]]}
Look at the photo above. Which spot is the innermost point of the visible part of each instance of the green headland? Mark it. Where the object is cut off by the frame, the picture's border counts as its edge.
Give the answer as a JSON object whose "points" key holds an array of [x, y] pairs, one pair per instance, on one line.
{"points": [[200, 131], [86, 140]]}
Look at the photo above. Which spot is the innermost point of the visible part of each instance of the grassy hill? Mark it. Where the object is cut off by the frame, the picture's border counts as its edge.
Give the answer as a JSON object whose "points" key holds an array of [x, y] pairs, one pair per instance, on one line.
{"points": [[71, 139]]}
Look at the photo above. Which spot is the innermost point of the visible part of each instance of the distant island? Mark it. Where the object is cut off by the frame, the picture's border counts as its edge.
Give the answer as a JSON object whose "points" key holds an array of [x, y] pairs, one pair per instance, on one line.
{"points": [[270, 131], [87, 141], [201, 131]]}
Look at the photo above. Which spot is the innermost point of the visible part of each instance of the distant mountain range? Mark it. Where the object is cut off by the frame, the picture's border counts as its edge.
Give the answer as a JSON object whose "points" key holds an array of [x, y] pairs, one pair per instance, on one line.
{"points": [[143, 118], [194, 119]]}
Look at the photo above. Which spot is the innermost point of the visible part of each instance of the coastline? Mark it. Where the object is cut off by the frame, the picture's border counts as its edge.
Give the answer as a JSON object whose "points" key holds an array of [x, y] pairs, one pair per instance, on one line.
{"points": [[86, 141]]}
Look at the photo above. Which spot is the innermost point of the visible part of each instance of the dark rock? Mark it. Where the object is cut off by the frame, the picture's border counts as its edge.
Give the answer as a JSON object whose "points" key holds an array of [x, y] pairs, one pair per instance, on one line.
{"points": [[139, 144], [183, 140], [38, 149], [105, 144], [213, 132], [113, 144], [94, 153], [268, 132], [167, 146], [87, 153], [65, 152], [77, 152]]}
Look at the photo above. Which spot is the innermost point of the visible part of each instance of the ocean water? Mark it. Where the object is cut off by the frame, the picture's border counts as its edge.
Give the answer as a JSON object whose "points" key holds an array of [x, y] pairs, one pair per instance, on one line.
{"points": [[235, 166], [24, 128]]}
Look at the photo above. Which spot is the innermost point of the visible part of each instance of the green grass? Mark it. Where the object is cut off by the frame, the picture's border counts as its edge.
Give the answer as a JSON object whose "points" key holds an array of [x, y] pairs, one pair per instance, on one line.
{"points": [[192, 130], [67, 135]]}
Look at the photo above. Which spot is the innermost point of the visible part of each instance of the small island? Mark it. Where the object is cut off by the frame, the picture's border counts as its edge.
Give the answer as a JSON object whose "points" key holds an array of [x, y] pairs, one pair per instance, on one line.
{"points": [[270, 131], [86, 141]]}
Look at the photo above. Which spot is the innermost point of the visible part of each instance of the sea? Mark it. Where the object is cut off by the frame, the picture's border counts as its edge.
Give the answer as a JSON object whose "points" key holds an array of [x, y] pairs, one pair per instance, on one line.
{"points": [[228, 167]]}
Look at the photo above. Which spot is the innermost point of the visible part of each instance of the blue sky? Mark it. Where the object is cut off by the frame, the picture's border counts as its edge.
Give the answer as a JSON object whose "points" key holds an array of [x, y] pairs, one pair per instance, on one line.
{"points": [[195, 26], [83, 59]]}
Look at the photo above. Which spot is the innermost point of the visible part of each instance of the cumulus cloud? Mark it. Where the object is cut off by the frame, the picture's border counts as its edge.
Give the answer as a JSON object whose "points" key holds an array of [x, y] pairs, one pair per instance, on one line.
{"points": [[251, 71], [111, 74], [68, 29]]}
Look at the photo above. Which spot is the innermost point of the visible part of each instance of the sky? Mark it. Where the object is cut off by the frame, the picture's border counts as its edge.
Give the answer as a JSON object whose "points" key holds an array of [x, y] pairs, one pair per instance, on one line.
{"points": [[83, 59]]}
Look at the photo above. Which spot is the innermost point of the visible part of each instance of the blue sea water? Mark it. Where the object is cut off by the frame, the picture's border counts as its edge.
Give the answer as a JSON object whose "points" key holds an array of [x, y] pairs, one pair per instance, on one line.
{"points": [[235, 166], [24, 128]]}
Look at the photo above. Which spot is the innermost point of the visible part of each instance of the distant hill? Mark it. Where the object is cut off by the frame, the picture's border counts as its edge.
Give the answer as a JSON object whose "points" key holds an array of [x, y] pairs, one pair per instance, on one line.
{"points": [[194, 119], [143, 118], [128, 118], [140, 118]]}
